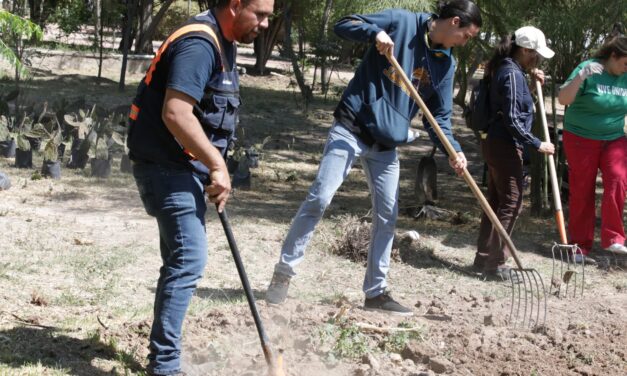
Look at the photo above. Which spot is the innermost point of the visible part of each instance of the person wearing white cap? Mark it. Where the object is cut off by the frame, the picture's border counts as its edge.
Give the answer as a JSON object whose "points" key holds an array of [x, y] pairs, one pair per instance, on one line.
{"points": [[594, 139], [509, 132]]}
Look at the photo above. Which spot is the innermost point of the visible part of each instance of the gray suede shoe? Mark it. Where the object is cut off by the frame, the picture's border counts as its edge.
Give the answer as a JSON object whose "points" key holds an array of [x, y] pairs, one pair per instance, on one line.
{"points": [[503, 273], [277, 291]]}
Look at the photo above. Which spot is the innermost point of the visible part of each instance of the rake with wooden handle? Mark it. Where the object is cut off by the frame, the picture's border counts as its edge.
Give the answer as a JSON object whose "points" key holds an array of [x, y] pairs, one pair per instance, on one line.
{"points": [[565, 264], [531, 298]]}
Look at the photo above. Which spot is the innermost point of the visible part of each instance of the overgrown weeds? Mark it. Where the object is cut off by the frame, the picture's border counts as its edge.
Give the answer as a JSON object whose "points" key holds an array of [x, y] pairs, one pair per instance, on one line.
{"points": [[396, 341], [353, 238], [341, 338]]}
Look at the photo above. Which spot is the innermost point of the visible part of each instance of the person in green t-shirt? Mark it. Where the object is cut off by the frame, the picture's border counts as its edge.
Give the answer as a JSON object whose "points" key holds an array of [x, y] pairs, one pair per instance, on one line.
{"points": [[594, 139]]}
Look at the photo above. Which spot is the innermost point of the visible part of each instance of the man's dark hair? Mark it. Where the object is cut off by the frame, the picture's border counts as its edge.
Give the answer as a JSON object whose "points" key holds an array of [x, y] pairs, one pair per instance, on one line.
{"points": [[467, 11], [224, 3]]}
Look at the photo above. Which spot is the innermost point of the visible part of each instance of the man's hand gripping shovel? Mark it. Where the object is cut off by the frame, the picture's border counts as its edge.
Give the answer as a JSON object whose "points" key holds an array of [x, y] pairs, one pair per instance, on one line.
{"points": [[528, 302]]}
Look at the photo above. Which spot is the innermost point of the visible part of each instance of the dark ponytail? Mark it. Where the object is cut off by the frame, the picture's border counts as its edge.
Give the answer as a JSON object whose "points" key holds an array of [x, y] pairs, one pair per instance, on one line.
{"points": [[505, 48], [467, 11]]}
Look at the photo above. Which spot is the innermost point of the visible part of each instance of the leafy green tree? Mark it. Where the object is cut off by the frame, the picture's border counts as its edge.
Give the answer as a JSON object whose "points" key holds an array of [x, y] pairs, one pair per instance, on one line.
{"points": [[15, 34], [69, 15]]}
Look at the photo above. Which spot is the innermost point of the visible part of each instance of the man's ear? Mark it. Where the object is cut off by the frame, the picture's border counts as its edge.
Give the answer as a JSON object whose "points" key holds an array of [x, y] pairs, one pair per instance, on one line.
{"points": [[235, 6]]}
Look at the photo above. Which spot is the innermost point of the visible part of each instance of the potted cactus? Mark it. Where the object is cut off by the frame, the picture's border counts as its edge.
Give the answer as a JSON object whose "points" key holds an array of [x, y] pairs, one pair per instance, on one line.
{"points": [[23, 137], [125, 161], [50, 136], [109, 132], [84, 137], [7, 141]]}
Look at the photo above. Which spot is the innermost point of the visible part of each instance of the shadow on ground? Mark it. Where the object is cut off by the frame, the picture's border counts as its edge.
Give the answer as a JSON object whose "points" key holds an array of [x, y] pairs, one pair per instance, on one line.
{"points": [[227, 295], [48, 346]]}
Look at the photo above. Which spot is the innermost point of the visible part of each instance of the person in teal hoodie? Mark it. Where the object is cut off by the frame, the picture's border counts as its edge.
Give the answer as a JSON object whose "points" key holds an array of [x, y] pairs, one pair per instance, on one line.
{"points": [[373, 118], [594, 139]]}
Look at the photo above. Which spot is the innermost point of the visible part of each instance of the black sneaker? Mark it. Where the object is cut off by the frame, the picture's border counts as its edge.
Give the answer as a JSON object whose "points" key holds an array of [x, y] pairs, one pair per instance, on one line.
{"points": [[277, 291], [479, 263], [503, 273], [385, 303], [180, 373]]}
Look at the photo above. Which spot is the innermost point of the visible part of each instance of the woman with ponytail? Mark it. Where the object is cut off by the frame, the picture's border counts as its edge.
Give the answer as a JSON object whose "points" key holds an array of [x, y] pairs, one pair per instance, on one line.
{"points": [[511, 103]]}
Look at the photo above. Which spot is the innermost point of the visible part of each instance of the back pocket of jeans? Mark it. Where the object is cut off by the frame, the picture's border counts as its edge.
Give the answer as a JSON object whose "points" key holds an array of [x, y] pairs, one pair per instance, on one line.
{"points": [[147, 194]]}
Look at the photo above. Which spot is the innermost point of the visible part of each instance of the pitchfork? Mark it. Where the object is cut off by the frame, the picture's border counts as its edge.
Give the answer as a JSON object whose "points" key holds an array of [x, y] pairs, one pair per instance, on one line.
{"points": [[528, 303], [564, 254]]}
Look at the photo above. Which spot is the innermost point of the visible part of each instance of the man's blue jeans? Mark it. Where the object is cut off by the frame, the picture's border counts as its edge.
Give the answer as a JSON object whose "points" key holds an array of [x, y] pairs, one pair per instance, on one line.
{"points": [[176, 199], [382, 173]]}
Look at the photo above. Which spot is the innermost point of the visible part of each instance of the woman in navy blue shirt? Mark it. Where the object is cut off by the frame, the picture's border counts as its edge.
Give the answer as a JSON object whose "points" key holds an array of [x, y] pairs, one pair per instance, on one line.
{"points": [[511, 104]]}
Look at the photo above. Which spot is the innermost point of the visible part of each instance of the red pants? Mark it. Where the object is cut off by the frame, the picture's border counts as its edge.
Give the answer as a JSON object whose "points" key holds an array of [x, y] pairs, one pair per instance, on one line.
{"points": [[585, 157]]}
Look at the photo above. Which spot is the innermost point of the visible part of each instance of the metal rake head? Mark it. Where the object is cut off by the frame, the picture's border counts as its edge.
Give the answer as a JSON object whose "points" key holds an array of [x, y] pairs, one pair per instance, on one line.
{"points": [[528, 309], [568, 275]]}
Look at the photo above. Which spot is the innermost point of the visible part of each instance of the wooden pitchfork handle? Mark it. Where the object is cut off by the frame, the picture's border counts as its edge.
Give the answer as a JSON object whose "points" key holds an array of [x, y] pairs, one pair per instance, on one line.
{"points": [[557, 202], [451, 152]]}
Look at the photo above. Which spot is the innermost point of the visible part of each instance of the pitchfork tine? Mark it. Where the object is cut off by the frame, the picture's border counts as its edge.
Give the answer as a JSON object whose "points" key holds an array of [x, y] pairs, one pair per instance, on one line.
{"points": [[511, 310], [534, 274], [526, 291], [543, 297], [534, 293]]}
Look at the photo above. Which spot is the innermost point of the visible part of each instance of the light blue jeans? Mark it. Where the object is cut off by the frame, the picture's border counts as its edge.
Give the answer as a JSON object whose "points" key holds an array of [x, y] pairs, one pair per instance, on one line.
{"points": [[382, 173], [176, 199]]}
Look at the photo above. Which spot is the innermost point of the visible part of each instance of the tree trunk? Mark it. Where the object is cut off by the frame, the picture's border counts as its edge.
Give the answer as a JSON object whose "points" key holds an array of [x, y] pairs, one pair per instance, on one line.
{"points": [[144, 19], [265, 42], [144, 40], [131, 8], [98, 31], [305, 90], [126, 39], [559, 156], [35, 11], [463, 76], [324, 71]]}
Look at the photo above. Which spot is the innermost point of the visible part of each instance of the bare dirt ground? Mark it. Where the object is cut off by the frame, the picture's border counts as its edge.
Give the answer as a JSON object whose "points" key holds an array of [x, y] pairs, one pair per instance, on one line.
{"points": [[79, 263]]}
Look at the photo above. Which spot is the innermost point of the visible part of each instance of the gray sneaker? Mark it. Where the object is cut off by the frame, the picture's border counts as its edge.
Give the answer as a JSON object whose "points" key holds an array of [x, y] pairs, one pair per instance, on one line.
{"points": [[277, 291], [503, 273], [384, 303]]}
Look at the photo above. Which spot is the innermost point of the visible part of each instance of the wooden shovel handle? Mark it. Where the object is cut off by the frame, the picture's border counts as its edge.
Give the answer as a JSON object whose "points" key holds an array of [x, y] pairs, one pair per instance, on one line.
{"points": [[451, 152], [557, 202]]}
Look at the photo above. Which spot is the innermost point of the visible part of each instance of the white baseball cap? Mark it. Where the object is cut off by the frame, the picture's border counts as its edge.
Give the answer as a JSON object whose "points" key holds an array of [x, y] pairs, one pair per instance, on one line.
{"points": [[533, 39]]}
